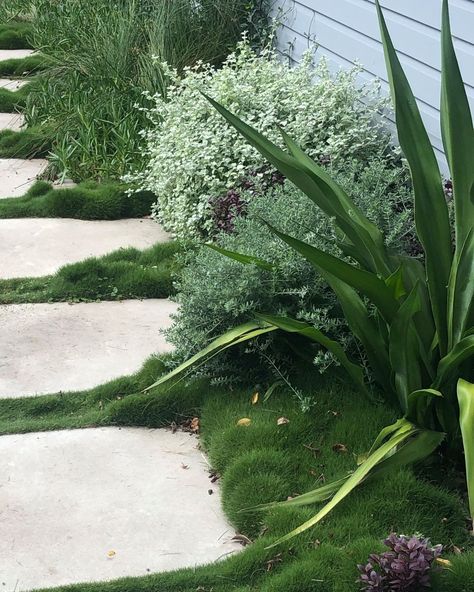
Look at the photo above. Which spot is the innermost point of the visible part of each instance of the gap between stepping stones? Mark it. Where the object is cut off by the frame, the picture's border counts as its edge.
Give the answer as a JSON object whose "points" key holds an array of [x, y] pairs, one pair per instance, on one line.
{"points": [[47, 348], [98, 504], [34, 247]]}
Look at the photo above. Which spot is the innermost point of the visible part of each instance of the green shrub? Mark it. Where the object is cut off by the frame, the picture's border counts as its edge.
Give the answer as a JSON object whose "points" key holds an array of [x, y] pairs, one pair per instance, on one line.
{"points": [[102, 63], [86, 201], [195, 157], [216, 293], [15, 35]]}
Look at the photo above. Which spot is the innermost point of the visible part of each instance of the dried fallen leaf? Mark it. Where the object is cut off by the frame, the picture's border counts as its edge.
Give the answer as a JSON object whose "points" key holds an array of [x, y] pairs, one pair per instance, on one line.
{"points": [[443, 562], [111, 553], [255, 397], [245, 421], [183, 466], [282, 421], [340, 448], [242, 539], [194, 426]]}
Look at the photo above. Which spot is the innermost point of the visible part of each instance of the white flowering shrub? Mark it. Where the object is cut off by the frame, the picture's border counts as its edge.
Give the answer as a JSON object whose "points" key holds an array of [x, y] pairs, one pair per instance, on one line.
{"points": [[193, 155]]}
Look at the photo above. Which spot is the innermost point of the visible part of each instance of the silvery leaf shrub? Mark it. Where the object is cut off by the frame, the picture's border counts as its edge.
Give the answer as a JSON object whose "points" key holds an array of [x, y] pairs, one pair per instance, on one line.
{"points": [[193, 156], [217, 293]]}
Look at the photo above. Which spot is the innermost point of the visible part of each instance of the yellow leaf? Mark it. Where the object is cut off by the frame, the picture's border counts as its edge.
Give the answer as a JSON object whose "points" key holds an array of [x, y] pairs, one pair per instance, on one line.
{"points": [[443, 562], [245, 421], [111, 553], [255, 397], [283, 421]]}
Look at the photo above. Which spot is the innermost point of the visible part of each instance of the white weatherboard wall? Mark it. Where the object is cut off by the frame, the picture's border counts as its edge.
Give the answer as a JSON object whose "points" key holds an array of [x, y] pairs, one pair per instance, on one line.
{"points": [[347, 31]]}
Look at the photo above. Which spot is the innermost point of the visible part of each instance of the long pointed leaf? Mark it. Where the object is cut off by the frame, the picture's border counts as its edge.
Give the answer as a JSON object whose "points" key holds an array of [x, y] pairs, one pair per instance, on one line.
{"points": [[359, 475], [404, 349], [306, 330], [363, 281], [236, 335], [462, 351], [241, 258], [466, 421], [461, 290], [457, 132], [431, 212]]}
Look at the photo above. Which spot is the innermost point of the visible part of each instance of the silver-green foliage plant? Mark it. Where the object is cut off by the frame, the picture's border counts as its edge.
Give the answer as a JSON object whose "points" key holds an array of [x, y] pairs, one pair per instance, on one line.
{"points": [[216, 293], [420, 338], [192, 156]]}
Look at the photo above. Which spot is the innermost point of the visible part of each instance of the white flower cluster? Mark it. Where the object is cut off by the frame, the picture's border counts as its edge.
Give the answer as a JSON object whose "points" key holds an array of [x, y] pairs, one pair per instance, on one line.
{"points": [[193, 155]]}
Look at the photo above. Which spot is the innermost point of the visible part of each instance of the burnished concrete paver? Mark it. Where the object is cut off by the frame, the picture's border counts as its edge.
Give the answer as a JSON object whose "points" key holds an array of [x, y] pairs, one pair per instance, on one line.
{"points": [[93, 505], [18, 175], [32, 247], [15, 54], [11, 121], [47, 348], [10, 84]]}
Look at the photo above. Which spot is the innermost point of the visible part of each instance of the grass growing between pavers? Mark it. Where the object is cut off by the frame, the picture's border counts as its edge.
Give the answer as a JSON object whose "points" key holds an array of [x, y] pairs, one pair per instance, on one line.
{"points": [[25, 144], [13, 100], [265, 461], [87, 201], [127, 273], [15, 35], [20, 67]]}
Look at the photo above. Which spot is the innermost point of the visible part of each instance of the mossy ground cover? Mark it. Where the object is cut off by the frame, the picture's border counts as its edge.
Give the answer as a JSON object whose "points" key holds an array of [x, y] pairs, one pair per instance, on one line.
{"points": [[265, 461], [124, 274], [15, 35], [25, 144], [86, 201], [13, 100], [20, 67]]}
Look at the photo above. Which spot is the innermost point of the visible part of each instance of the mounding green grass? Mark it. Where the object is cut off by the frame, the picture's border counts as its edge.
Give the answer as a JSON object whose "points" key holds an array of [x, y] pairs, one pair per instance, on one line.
{"points": [[87, 201], [124, 274], [20, 67], [265, 461], [13, 100], [27, 143], [15, 35]]}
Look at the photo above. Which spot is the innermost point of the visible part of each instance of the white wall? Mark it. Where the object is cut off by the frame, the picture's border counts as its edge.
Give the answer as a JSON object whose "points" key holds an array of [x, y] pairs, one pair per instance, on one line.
{"points": [[347, 30]]}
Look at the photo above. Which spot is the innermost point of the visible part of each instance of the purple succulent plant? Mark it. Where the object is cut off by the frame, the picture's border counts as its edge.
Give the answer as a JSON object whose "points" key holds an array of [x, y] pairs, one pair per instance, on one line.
{"points": [[405, 567]]}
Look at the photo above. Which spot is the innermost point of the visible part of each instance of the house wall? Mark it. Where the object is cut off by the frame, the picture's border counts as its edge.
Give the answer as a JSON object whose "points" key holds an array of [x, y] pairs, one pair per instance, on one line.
{"points": [[347, 30]]}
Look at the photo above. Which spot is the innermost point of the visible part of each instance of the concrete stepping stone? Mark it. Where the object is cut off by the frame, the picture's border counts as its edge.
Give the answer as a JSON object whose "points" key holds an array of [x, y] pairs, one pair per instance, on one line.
{"points": [[33, 247], [15, 54], [10, 84], [99, 504], [19, 175], [11, 121], [47, 348]]}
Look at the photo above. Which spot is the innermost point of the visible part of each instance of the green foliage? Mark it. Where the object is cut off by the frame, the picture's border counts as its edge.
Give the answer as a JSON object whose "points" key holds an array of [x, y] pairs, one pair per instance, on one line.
{"points": [[102, 58], [28, 143], [15, 35], [192, 160], [12, 101], [123, 274], [418, 335], [86, 201], [216, 293], [254, 464], [20, 67]]}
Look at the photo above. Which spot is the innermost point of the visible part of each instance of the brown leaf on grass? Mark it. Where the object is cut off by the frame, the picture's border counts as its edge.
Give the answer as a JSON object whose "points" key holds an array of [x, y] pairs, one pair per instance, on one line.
{"points": [[340, 448], [194, 425], [242, 539], [245, 421], [255, 398], [282, 421]]}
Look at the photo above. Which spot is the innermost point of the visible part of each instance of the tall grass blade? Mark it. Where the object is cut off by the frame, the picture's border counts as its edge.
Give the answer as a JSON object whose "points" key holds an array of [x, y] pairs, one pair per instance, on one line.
{"points": [[466, 421]]}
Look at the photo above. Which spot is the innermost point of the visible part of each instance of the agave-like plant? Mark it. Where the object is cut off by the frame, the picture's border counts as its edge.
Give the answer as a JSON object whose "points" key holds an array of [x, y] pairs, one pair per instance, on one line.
{"points": [[418, 332]]}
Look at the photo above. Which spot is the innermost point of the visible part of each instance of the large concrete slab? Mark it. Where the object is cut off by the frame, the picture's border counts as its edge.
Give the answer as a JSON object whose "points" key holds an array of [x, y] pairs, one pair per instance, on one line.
{"points": [[15, 54], [40, 246], [17, 175], [11, 121], [46, 348], [89, 505], [10, 84]]}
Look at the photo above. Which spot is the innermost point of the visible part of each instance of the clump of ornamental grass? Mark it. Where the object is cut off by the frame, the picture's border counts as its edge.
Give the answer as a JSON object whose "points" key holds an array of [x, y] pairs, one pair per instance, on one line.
{"points": [[406, 567]]}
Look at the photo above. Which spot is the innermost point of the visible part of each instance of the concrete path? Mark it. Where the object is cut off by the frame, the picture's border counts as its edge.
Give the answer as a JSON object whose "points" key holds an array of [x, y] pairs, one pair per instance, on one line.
{"points": [[15, 54], [10, 84], [17, 175], [46, 348], [11, 121], [86, 505], [32, 247]]}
